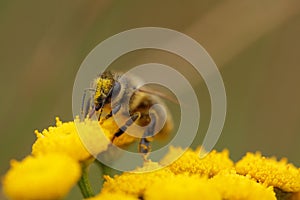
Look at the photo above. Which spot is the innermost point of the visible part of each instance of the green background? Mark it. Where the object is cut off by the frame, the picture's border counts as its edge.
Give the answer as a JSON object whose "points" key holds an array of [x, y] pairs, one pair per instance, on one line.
{"points": [[255, 45]]}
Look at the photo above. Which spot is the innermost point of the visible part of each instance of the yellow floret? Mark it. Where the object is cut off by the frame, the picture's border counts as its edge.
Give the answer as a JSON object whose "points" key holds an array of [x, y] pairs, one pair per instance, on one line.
{"points": [[182, 187], [191, 163], [46, 177], [134, 183], [92, 136], [237, 187], [113, 196], [270, 172], [64, 138]]}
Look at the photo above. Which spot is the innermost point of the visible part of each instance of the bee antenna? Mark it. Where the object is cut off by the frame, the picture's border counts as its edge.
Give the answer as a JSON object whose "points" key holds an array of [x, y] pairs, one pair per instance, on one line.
{"points": [[86, 103]]}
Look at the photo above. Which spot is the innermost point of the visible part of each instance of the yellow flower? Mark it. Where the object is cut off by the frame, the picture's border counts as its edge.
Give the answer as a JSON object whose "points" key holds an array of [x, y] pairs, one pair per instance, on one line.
{"points": [[270, 172], [92, 136], [237, 187], [135, 183], [45, 177], [191, 163], [182, 187], [113, 196], [64, 138], [189, 177]]}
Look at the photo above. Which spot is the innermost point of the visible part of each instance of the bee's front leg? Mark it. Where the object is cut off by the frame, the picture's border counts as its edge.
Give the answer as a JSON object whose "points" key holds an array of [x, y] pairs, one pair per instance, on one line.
{"points": [[112, 112], [128, 123]]}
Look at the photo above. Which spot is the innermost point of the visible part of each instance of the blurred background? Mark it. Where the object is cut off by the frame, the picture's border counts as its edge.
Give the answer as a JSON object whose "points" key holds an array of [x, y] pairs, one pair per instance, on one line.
{"points": [[255, 45]]}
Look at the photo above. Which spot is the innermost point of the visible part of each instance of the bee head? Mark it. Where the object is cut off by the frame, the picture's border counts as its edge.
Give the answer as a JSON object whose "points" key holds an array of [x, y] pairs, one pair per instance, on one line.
{"points": [[105, 84]]}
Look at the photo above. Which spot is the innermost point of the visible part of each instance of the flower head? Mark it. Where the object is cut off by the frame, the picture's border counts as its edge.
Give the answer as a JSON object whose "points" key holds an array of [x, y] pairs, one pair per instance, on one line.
{"points": [[113, 196], [134, 183], [190, 177], [41, 177], [270, 172], [92, 136], [191, 163], [182, 187], [64, 138], [237, 187]]}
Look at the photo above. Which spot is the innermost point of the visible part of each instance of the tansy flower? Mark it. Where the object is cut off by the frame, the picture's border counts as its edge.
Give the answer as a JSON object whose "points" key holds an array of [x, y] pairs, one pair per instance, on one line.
{"points": [[135, 184], [237, 187], [182, 187], [191, 163], [92, 136], [270, 172], [64, 138], [46, 177], [113, 196]]}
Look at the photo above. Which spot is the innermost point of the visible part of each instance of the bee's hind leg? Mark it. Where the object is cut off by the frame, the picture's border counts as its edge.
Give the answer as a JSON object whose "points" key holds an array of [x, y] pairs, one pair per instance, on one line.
{"points": [[144, 145]]}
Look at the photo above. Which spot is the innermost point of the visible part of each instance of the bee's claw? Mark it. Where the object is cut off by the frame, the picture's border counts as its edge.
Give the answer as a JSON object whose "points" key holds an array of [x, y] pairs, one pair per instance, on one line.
{"points": [[112, 140]]}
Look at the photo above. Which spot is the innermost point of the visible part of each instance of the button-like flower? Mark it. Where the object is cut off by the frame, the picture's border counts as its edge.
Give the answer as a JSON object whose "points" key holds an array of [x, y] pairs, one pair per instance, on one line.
{"points": [[270, 172], [182, 187], [66, 138], [237, 187], [113, 196], [135, 183], [46, 177], [191, 163]]}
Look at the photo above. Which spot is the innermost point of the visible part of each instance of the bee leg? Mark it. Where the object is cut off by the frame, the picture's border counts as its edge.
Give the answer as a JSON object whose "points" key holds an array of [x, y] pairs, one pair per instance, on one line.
{"points": [[144, 145], [128, 123], [87, 107], [112, 112]]}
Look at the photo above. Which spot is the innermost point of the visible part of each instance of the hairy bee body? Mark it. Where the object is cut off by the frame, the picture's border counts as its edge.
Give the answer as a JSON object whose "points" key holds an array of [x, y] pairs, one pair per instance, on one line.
{"points": [[111, 94]]}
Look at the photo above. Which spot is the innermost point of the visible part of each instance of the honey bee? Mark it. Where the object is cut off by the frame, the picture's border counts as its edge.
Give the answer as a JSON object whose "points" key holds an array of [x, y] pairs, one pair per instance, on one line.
{"points": [[103, 103]]}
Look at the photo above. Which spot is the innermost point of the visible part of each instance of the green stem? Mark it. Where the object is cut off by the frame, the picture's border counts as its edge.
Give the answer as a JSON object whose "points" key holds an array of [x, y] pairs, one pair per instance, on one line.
{"points": [[105, 170], [84, 184]]}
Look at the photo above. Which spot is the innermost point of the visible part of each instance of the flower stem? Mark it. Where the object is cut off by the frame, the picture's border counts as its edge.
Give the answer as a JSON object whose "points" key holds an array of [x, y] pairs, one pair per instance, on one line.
{"points": [[84, 184]]}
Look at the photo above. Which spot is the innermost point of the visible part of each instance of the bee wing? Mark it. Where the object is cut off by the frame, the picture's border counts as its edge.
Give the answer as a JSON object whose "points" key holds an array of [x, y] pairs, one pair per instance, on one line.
{"points": [[87, 106], [159, 94]]}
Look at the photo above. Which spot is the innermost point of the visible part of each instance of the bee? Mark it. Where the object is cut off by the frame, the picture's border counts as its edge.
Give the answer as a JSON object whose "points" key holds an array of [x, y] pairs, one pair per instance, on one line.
{"points": [[103, 103]]}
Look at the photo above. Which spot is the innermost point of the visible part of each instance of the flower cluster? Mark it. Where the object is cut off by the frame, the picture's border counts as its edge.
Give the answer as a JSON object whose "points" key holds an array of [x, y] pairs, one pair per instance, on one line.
{"points": [[213, 177], [59, 160], [56, 162]]}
